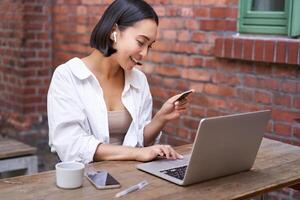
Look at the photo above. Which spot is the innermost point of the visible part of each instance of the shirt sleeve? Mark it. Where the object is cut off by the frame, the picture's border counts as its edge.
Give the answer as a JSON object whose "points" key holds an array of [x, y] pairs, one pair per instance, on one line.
{"points": [[146, 115], [66, 120]]}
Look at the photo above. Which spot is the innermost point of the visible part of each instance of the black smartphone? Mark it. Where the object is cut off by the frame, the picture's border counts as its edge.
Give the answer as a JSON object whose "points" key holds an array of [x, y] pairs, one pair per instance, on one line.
{"points": [[184, 95], [102, 180]]}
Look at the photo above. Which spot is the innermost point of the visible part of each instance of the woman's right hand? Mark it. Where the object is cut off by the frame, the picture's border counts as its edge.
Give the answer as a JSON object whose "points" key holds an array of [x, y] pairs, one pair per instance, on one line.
{"points": [[151, 152]]}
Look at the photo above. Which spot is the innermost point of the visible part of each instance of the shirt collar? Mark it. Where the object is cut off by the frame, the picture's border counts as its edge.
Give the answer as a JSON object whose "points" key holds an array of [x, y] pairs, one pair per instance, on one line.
{"points": [[80, 70], [131, 79]]}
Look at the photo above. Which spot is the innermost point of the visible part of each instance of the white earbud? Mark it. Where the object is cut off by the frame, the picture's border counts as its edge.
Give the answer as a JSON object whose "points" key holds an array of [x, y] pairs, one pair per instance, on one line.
{"points": [[114, 36]]}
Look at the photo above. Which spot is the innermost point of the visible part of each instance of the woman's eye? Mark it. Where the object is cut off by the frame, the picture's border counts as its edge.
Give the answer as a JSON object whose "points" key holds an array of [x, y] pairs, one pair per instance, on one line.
{"points": [[140, 43]]}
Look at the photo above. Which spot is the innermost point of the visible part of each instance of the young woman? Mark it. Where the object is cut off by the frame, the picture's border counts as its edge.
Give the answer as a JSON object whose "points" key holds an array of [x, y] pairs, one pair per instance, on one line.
{"points": [[100, 106]]}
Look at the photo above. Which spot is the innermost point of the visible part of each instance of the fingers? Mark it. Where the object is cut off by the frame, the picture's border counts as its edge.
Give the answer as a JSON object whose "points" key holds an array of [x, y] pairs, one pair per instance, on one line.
{"points": [[170, 153], [181, 106], [182, 102]]}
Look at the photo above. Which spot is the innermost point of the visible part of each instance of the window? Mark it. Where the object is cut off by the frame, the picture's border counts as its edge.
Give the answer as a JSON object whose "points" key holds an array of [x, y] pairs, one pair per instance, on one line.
{"points": [[269, 17]]}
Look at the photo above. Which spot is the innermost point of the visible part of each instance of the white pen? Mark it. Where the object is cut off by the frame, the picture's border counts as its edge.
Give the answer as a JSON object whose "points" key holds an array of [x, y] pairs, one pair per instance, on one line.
{"points": [[132, 189]]}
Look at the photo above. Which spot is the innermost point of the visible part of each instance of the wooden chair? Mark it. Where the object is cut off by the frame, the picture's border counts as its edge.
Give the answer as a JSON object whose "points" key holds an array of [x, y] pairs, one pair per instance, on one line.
{"points": [[15, 155]]}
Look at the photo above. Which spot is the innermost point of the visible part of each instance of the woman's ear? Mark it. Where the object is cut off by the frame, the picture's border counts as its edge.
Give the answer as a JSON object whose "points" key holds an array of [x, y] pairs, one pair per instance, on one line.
{"points": [[114, 36], [114, 33]]}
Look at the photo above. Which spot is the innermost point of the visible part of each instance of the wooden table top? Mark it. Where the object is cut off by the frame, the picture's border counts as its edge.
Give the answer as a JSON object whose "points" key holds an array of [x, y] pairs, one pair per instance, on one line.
{"points": [[12, 148], [277, 165]]}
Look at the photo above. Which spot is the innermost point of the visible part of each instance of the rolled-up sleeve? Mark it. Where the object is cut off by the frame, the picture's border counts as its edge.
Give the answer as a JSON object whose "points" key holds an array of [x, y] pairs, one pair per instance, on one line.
{"points": [[66, 118]]}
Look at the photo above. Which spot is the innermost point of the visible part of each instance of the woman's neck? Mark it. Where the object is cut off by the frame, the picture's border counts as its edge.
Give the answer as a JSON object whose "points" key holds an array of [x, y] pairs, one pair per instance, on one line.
{"points": [[103, 67]]}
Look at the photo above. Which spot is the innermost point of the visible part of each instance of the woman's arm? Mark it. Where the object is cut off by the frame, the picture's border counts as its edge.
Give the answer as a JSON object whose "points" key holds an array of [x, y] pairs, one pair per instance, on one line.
{"points": [[169, 111], [116, 152]]}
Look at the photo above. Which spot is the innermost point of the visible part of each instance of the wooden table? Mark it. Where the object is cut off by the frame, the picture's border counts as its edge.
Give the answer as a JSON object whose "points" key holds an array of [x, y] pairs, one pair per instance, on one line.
{"points": [[277, 165], [15, 155]]}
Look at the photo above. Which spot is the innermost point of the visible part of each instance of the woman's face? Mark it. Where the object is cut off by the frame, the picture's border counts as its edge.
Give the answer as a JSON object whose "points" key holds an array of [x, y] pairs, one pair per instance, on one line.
{"points": [[133, 43]]}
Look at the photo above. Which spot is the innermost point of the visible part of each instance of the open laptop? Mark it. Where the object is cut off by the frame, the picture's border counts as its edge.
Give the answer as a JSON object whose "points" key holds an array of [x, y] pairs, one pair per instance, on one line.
{"points": [[223, 145]]}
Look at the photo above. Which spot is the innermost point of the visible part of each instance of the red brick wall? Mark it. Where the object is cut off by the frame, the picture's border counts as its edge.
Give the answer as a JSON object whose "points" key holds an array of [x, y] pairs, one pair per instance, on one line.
{"points": [[38, 35], [25, 49], [183, 57]]}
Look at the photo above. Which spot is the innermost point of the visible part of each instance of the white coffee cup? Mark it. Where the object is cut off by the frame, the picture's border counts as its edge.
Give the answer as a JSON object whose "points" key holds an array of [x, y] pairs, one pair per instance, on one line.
{"points": [[69, 175]]}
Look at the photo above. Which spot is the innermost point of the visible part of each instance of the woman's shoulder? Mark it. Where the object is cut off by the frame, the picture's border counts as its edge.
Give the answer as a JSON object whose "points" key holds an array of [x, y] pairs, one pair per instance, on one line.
{"points": [[69, 68]]}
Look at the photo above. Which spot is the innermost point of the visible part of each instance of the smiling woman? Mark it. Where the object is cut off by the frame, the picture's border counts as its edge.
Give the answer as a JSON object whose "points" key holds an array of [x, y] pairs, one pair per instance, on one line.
{"points": [[100, 106]]}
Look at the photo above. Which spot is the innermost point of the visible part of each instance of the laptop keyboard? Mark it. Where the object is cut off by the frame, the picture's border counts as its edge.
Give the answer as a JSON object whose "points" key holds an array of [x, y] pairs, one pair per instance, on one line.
{"points": [[177, 172]]}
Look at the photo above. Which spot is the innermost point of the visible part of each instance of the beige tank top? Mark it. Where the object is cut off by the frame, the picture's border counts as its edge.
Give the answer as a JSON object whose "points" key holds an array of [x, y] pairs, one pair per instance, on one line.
{"points": [[118, 124]]}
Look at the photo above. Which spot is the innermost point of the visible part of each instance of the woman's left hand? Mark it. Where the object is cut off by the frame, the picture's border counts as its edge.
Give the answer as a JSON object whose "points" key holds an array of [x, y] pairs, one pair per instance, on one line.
{"points": [[172, 108]]}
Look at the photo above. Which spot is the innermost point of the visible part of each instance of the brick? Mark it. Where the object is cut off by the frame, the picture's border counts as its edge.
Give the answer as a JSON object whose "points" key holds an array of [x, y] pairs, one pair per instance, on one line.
{"points": [[181, 3], [92, 2], [268, 83], [184, 36], [169, 83], [248, 49], [228, 47], [245, 94], [240, 106], [218, 12], [232, 12], [285, 72], [292, 52], [282, 100], [196, 62], [171, 11], [186, 12], [32, 100], [182, 85], [213, 3], [284, 115], [206, 49], [219, 90], [289, 86], [296, 132], [263, 69], [251, 81], [191, 24], [198, 87], [169, 35], [183, 133], [201, 12], [167, 71], [184, 47], [230, 25], [190, 123], [219, 51], [263, 97], [159, 92], [283, 129], [281, 52], [259, 50], [216, 103], [198, 36], [171, 130], [213, 113], [209, 24], [176, 141], [238, 48], [269, 51], [223, 78], [195, 74], [296, 103]]}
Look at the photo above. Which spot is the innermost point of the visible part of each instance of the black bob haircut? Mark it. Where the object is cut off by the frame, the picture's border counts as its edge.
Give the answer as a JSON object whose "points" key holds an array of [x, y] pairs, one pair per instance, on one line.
{"points": [[124, 13]]}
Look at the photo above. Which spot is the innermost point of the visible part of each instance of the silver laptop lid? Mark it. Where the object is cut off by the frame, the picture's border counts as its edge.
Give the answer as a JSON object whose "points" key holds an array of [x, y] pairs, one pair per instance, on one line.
{"points": [[226, 145]]}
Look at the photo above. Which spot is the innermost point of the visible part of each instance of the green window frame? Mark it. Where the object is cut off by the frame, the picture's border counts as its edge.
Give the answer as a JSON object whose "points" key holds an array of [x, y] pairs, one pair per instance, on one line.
{"points": [[286, 22]]}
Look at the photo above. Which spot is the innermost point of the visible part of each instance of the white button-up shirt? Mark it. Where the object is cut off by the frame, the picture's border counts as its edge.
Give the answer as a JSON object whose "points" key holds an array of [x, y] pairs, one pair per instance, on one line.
{"points": [[77, 113]]}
